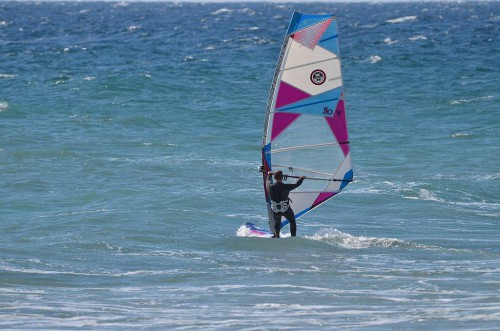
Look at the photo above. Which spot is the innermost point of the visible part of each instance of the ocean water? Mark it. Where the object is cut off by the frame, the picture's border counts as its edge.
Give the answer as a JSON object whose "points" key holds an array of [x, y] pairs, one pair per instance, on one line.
{"points": [[129, 140]]}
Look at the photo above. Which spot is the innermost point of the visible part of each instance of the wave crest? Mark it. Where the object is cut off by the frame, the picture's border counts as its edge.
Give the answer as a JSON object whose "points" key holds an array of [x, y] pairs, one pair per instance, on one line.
{"points": [[402, 19], [345, 240], [3, 106]]}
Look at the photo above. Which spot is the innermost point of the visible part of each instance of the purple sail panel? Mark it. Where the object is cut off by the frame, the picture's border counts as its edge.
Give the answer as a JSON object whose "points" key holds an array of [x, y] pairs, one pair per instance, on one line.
{"points": [[338, 125], [281, 121], [322, 197], [288, 94]]}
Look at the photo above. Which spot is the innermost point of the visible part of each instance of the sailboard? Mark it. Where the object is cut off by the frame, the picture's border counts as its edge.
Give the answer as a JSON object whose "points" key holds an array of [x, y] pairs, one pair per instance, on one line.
{"points": [[305, 127]]}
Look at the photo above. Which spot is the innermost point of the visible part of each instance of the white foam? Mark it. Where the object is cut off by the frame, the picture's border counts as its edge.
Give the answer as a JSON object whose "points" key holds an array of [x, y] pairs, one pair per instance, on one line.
{"points": [[345, 240], [3, 106], [487, 177], [426, 195], [121, 4], [375, 59], [364, 190], [243, 231], [402, 19], [461, 101], [417, 37], [133, 28], [459, 134], [389, 41], [222, 11]]}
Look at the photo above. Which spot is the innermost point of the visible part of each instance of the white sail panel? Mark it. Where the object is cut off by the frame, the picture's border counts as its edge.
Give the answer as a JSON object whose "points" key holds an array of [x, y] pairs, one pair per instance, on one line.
{"points": [[301, 62]]}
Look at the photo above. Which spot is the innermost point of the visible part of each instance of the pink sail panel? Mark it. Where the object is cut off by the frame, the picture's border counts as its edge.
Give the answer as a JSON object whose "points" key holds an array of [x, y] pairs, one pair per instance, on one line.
{"points": [[322, 197], [281, 121], [310, 36], [288, 94], [338, 126]]}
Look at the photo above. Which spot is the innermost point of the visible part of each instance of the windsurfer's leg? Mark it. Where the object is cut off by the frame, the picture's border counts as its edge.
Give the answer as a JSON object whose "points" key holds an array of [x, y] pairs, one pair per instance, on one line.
{"points": [[290, 216], [275, 225]]}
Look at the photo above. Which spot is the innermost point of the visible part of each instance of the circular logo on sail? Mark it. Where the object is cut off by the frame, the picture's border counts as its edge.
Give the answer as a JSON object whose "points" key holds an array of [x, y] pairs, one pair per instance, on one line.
{"points": [[318, 77]]}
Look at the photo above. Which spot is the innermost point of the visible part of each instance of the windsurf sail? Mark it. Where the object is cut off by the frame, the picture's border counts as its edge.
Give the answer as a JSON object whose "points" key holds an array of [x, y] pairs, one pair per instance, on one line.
{"points": [[305, 130]]}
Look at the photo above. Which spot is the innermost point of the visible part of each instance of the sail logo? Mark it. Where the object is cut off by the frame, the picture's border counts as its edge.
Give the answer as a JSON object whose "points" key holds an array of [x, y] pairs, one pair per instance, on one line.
{"points": [[327, 111], [318, 77]]}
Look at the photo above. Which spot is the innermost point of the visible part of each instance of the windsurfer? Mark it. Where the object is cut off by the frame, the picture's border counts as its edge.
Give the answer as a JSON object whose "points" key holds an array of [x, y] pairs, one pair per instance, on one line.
{"points": [[280, 202]]}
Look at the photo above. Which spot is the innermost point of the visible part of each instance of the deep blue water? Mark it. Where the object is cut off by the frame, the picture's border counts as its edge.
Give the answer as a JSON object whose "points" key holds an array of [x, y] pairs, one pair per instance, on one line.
{"points": [[129, 140]]}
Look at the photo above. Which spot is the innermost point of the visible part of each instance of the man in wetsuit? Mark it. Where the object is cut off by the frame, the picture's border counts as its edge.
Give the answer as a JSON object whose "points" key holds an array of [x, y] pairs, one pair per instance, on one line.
{"points": [[280, 203]]}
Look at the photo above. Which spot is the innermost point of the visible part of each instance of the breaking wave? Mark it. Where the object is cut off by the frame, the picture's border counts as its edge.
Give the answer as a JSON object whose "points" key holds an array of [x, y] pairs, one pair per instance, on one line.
{"points": [[345, 240], [402, 19]]}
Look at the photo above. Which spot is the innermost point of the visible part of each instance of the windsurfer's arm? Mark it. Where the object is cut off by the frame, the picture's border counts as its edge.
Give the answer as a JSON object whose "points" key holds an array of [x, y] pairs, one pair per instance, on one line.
{"points": [[301, 179], [269, 179], [297, 184]]}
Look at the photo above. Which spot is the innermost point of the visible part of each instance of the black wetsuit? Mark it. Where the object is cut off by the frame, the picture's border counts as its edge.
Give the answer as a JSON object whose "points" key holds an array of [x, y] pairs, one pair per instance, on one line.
{"points": [[279, 192]]}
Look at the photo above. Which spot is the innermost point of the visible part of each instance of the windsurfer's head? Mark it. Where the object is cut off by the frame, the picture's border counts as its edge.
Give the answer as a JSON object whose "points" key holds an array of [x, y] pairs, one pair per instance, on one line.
{"points": [[278, 175]]}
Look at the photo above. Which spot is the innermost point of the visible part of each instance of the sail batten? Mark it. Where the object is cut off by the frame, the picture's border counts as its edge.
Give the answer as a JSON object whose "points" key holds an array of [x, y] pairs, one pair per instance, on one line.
{"points": [[316, 62], [287, 149], [309, 171], [305, 128]]}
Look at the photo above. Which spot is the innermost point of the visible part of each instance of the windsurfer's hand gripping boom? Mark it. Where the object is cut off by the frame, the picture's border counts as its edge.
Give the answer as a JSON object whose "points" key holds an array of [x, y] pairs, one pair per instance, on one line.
{"points": [[261, 169]]}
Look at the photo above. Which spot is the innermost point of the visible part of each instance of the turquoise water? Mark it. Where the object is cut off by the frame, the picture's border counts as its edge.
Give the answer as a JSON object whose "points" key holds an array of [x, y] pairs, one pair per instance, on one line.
{"points": [[129, 140]]}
